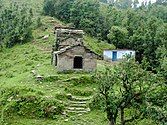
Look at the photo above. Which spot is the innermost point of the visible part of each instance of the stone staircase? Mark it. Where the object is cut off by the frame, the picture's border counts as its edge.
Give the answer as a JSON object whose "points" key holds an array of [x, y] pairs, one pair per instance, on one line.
{"points": [[78, 105]]}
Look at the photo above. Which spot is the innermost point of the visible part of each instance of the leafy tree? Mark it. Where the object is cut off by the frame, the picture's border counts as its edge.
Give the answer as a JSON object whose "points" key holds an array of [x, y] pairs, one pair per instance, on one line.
{"points": [[58, 8], [118, 36], [86, 15], [126, 88], [122, 23], [49, 8], [15, 25], [162, 58]]}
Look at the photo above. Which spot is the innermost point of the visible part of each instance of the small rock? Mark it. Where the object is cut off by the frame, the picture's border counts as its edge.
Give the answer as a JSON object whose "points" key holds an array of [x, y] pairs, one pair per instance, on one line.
{"points": [[38, 65], [64, 113], [33, 72], [79, 114], [46, 37], [69, 96], [88, 109], [66, 120], [39, 77]]}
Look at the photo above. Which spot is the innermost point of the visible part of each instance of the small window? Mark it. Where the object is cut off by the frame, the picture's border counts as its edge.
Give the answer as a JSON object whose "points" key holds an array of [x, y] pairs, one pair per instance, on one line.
{"points": [[78, 62]]}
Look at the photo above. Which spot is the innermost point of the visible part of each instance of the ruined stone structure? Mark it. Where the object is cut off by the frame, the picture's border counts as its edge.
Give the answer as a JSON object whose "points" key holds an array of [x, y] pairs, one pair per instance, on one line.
{"points": [[69, 53]]}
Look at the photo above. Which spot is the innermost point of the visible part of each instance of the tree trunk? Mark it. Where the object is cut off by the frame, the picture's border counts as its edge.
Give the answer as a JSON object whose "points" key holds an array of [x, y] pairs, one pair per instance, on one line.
{"points": [[122, 117], [112, 122]]}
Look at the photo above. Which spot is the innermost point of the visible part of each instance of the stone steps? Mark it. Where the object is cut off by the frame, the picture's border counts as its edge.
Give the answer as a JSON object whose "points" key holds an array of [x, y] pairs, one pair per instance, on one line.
{"points": [[78, 102], [74, 98], [78, 105], [77, 110]]}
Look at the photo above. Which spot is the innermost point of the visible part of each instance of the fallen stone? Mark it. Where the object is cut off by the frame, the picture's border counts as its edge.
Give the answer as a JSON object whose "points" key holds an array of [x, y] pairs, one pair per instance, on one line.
{"points": [[69, 96], [39, 78], [46, 37], [33, 72], [66, 120]]}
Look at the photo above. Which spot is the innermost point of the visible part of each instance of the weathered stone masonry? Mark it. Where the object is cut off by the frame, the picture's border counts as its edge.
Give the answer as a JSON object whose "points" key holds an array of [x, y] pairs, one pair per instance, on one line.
{"points": [[69, 53]]}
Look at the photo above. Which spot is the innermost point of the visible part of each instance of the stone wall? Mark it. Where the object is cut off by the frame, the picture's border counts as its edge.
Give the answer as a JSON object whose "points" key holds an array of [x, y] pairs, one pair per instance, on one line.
{"points": [[68, 37], [66, 59]]}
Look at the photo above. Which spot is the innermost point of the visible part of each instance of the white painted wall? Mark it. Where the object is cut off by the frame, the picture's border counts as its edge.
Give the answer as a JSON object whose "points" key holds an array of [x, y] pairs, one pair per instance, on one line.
{"points": [[122, 53], [108, 54]]}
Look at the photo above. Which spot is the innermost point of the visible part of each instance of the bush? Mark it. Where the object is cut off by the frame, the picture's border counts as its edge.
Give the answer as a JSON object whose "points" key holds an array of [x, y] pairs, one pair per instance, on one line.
{"points": [[97, 102], [29, 103], [83, 14], [15, 25]]}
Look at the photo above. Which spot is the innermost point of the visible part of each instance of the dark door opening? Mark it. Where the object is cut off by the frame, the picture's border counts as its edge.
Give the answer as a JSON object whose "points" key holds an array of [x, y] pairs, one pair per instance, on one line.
{"points": [[114, 56], [78, 62], [55, 60]]}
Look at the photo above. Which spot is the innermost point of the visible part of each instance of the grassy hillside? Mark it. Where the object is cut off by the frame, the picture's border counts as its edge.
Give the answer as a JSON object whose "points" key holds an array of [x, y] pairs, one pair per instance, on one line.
{"points": [[22, 94], [25, 100], [16, 79]]}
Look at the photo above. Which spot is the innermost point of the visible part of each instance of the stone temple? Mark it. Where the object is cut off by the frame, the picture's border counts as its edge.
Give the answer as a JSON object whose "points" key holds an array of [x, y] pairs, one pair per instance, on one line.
{"points": [[69, 52]]}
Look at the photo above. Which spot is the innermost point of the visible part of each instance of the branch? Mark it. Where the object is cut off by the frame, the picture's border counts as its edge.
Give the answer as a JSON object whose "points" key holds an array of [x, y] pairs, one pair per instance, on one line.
{"points": [[133, 118]]}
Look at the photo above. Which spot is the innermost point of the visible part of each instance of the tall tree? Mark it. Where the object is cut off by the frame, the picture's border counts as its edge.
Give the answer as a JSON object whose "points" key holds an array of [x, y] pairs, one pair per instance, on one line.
{"points": [[86, 15], [15, 25], [125, 88], [118, 36]]}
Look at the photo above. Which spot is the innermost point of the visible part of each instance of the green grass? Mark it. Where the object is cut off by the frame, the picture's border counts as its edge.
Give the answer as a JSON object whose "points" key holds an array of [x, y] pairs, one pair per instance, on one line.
{"points": [[93, 118], [17, 63], [96, 45], [16, 66]]}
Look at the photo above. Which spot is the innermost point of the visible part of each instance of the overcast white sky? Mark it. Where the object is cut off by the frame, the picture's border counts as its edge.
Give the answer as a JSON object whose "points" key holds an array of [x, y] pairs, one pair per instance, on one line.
{"points": [[147, 0]]}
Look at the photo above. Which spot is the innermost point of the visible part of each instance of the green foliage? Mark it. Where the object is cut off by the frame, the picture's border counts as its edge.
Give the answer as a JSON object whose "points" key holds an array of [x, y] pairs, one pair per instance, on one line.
{"points": [[29, 103], [58, 8], [125, 24], [97, 102], [50, 78], [83, 14], [49, 8], [91, 21], [118, 36], [97, 46], [15, 25], [126, 87], [39, 22], [157, 110], [162, 56]]}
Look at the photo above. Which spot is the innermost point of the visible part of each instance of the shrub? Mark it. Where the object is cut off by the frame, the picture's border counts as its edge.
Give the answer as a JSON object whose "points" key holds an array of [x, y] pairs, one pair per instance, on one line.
{"points": [[29, 103], [97, 102], [15, 25]]}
